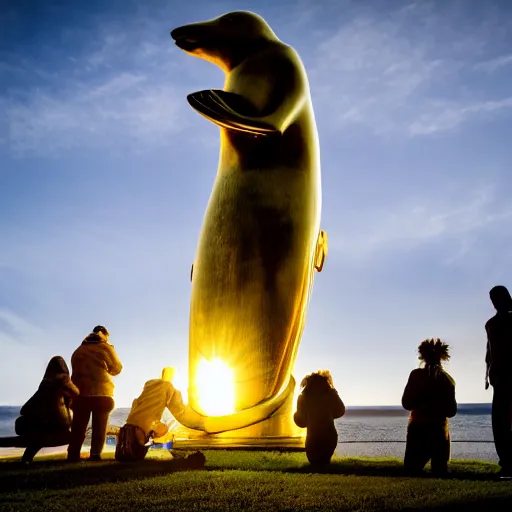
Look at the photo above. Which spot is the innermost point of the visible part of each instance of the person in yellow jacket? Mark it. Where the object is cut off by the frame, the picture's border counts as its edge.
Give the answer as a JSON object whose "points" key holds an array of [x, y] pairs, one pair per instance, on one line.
{"points": [[144, 420], [93, 363]]}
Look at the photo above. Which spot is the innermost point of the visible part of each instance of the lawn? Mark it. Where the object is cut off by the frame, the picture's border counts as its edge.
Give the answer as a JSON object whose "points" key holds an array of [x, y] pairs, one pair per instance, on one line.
{"points": [[247, 481]]}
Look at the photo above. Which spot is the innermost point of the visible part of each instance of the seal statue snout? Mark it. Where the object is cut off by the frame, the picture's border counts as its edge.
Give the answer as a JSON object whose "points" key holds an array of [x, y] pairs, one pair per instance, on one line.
{"points": [[190, 37]]}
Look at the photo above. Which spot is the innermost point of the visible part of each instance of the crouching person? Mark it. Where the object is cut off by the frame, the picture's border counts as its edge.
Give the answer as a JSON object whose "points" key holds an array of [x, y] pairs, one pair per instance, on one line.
{"points": [[318, 406], [430, 396], [45, 420], [144, 420]]}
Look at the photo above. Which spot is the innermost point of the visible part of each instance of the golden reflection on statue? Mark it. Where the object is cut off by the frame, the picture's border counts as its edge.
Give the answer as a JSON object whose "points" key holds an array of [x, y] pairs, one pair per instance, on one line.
{"points": [[261, 240]]}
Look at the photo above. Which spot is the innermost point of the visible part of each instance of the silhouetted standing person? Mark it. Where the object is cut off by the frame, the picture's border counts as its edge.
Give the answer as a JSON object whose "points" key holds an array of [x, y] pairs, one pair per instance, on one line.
{"points": [[317, 407], [430, 396], [499, 371], [93, 363]]}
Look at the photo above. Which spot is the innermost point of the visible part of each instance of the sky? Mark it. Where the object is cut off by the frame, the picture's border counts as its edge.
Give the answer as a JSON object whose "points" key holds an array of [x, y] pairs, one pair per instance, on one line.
{"points": [[106, 171]]}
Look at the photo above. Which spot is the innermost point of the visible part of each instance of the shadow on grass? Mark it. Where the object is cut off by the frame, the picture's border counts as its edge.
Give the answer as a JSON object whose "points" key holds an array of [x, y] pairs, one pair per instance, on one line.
{"points": [[464, 471], [477, 505], [58, 474]]}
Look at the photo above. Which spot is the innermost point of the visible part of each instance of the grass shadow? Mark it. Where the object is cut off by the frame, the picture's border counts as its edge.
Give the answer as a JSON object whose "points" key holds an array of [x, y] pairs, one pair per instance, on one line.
{"points": [[380, 467], [477, 505], [59, 474], [394, 468], [56, 473]]}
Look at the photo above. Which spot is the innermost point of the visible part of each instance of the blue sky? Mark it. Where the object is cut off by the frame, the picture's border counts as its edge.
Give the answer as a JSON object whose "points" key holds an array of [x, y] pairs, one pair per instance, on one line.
{"points": [[105, 173]]}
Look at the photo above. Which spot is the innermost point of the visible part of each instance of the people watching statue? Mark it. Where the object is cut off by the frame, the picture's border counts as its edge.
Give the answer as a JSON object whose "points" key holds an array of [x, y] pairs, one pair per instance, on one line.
{"points": [[93, 363], [145, 418], [430, 396], [46, 416], [318, 406], [498, 359]]}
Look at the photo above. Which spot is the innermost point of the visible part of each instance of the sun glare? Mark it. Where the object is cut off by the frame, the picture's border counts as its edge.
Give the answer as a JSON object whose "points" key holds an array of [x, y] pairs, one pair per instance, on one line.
{"points": [[216, 387]]}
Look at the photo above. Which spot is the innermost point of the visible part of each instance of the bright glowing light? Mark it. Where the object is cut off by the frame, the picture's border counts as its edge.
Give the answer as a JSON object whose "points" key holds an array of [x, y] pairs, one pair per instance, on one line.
{"points": [[215, 387]]}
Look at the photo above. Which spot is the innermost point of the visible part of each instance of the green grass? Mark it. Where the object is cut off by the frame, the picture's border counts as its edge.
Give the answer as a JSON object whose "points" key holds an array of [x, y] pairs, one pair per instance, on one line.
{"points": [[244, 481]]}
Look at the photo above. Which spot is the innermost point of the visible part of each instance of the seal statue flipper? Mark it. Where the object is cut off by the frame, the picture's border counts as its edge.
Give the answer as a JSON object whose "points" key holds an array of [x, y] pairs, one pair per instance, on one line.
{"points": [[271, 111], [213, 105]]}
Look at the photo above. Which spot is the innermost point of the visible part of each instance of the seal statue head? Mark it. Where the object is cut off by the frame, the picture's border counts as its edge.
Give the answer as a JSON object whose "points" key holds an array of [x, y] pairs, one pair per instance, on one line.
{"points": [[226, 40]]}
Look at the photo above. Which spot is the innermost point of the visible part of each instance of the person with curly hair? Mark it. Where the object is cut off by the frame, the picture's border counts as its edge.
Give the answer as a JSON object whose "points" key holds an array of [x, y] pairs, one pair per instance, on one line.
{"points": [[499, 373], [318, 406], [430, 397]]}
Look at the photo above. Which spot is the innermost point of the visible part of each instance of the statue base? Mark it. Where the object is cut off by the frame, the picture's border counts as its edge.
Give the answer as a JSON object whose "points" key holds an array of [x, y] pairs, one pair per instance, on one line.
{"points": [[213, 442]]}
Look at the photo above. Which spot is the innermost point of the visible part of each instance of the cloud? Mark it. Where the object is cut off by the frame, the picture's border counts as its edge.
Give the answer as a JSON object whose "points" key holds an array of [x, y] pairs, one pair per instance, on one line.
{"points": [[446, 116], [492, 65], [112, 94], [405, 73], [368, 72], [422, 222], [126, 108], [14, 330]]}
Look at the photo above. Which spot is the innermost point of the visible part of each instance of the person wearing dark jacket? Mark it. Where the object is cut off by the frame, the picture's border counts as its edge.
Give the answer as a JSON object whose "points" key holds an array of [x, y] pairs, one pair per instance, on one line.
{"points": [[47, 415], [318, 406], [430, 396], [94, 363], [499, 373]]}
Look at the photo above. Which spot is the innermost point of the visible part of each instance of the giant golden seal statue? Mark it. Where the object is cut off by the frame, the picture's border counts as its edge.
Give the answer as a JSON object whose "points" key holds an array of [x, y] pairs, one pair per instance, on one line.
{"points": [[261, 240]]}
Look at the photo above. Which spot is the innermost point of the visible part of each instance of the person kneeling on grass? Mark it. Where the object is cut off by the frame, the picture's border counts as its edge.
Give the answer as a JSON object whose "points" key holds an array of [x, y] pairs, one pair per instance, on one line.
{"points": [[46, 417], [144, 420], [317, 407], [430, 396]]}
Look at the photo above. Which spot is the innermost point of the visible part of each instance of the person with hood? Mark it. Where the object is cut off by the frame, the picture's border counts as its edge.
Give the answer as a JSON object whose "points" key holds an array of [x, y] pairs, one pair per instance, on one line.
{"points": [[144, 420], [46, 418], [318, 406], [430, 397], [499, 373], [94, 363]]}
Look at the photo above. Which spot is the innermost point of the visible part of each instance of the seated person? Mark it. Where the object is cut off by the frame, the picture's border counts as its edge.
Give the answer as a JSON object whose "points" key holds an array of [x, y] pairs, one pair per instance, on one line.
{"points": [[317, 407], [45, 420], [430, 396], [144, 420]]}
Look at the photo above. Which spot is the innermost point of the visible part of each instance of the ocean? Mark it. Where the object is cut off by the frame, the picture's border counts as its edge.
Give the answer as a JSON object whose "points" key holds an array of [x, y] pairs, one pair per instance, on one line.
{"points": [[362, 432]]}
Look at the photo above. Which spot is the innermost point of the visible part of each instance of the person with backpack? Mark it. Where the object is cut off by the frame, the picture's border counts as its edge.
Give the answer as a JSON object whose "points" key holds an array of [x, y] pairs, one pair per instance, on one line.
{"points": [[430, 397], [93, 363], [498, 360]]}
